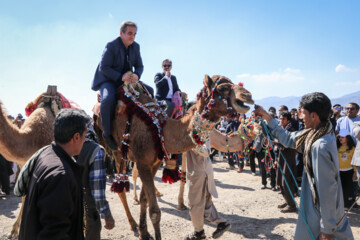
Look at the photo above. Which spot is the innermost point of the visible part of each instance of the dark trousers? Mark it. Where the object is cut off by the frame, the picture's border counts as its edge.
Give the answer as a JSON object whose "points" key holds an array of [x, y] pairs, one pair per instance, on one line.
{"points": [[93, 225], [108, 104], [290, 156], [261, 162], [252, 161], [230, 156], [5, 171], [347, 186]]}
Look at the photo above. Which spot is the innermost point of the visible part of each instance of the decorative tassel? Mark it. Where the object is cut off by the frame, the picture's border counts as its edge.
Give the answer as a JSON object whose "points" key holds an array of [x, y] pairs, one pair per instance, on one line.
{"points": [[120, 183], [171, 176]]}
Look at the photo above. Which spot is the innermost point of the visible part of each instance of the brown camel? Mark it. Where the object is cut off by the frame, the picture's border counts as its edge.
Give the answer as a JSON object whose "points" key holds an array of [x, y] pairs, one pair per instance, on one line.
{"points": [[177, 137], [219, 141]]}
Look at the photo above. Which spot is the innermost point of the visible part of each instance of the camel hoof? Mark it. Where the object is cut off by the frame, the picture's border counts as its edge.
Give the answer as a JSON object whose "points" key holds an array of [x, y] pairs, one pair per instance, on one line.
{"points": [[134, 227], [182, 207], [136, 202], [146, 237], [159, 194]]}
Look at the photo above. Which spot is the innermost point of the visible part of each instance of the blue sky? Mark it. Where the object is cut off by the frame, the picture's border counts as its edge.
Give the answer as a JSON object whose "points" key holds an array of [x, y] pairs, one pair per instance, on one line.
{"points": [[276, 48]]}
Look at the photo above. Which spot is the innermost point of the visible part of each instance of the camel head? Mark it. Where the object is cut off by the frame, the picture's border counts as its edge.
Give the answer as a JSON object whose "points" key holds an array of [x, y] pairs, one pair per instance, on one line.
{"points": [[220, 97]]}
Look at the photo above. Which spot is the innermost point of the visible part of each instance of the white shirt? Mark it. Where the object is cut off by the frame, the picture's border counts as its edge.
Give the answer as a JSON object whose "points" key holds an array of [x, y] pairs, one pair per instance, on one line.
{"points": [[170, 93]]}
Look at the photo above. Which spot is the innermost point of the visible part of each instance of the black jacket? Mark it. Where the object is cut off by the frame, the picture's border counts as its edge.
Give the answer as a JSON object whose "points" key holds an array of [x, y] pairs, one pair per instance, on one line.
{"points": [[112, 67], [53, 208], [162, 86]]}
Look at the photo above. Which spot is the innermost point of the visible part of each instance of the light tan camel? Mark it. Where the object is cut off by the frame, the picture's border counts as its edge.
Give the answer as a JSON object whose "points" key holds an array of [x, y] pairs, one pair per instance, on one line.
{"points": [[18, 145], [177, 137]]}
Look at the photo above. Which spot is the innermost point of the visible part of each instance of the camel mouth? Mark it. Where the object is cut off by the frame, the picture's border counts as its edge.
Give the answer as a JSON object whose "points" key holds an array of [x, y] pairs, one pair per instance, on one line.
{"points": [[241, 107]]}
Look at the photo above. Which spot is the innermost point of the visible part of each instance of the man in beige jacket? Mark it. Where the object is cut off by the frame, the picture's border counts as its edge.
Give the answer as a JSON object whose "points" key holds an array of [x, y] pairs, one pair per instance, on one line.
{"points": [[200, 177]]}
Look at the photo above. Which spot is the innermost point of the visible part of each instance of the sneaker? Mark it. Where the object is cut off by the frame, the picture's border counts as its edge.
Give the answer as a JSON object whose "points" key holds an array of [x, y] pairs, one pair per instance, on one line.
{"points": [[240, 170], [2, 194], [195, 235], [111, 143], [282, 205], [221, 228], [254, 174], [263, 187]]}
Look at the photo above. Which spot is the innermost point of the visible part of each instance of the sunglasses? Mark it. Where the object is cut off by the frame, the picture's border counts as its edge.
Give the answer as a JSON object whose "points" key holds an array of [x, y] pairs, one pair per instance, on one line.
{"points": [[167, 65], [350, 109]]}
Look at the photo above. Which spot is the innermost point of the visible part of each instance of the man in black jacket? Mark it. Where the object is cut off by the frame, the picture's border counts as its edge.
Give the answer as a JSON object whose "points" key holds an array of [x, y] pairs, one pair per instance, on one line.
{"points": [[53, 208], [121, 62], [167, 86]]}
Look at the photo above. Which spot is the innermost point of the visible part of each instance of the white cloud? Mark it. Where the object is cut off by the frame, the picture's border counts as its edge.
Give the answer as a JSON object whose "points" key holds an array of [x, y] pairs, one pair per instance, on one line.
{"points": [[343, 68], [291, 70], [244, 75], [356, 83], [288, 75], [110, 15]]}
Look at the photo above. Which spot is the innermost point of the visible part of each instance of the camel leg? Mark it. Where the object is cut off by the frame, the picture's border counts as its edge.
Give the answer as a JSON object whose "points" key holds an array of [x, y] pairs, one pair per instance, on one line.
{"points": [[15, 229], [148, 189], [135, 174], [181, 205], [132, 222]]}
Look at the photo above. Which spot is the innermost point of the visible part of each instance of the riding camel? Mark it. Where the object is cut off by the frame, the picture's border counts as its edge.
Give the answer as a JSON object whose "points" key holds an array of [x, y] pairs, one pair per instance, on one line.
{"points": [[218, 96], [219, 141]]}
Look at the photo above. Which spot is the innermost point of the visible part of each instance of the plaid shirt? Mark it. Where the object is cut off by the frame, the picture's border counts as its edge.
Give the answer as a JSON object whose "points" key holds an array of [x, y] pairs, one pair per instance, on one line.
{"points": [[97, 182]]}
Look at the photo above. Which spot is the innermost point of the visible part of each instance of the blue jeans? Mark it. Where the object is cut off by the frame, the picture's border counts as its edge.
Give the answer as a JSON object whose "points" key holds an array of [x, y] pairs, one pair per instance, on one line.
{"points": [[108, 104]]}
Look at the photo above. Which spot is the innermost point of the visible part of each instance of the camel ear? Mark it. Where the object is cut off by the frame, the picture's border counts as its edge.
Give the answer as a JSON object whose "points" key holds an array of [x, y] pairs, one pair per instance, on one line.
{"points": [[224, 89], [208, 82]]}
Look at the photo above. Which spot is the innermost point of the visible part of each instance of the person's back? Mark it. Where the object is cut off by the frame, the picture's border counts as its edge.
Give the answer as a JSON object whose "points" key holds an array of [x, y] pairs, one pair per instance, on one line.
{"points": [[56, 176], [51, 181]]}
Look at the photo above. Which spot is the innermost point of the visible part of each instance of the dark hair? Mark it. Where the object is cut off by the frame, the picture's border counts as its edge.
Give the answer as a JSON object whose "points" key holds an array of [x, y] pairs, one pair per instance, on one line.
{"points": [[167, 60], [355, 104], [286, 114], [272, 108], [284, 107], [293, 109], [318, 103], [126, 24], [67, 123], [336, 105], [349, 141]]}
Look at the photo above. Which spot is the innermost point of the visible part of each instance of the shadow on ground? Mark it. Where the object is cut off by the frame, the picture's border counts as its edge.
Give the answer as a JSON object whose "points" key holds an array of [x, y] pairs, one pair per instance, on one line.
{"points": [[246, 227]]}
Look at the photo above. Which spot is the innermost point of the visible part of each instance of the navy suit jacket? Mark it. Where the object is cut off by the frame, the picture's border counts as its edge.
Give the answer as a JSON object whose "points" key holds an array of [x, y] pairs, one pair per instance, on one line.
{"points": [[111, 66], [162, 86]]}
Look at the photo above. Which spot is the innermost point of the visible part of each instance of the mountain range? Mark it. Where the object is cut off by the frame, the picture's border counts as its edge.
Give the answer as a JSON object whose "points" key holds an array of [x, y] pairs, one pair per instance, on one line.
{"points": [[293, 102]]}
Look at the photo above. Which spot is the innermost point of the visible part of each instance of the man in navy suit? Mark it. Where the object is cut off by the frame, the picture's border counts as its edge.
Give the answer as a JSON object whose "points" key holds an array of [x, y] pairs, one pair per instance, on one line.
{"points": [[166, 86], [121, 62]]}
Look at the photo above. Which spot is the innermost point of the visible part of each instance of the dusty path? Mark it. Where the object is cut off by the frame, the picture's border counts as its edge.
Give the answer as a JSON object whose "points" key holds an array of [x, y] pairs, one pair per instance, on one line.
{"points": [[253, 212]]}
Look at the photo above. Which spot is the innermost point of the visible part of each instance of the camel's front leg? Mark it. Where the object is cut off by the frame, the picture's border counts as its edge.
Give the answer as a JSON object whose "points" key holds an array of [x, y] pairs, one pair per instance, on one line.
{"points": [[181, 205], [148, 189], [131, 220]]}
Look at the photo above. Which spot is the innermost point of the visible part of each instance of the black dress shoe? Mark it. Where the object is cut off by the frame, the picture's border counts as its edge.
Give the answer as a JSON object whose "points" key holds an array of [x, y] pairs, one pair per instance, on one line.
{"points": [[288, 209], [282, 205], [110, 142]]}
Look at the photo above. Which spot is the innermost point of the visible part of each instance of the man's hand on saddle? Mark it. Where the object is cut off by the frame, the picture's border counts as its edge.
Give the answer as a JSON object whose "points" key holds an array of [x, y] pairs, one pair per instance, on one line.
{"points": [[130, 77], [260, 111]]}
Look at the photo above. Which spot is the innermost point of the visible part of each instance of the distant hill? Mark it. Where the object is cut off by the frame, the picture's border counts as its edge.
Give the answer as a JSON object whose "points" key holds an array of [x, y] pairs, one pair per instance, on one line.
{"points": [[293, 102]]}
